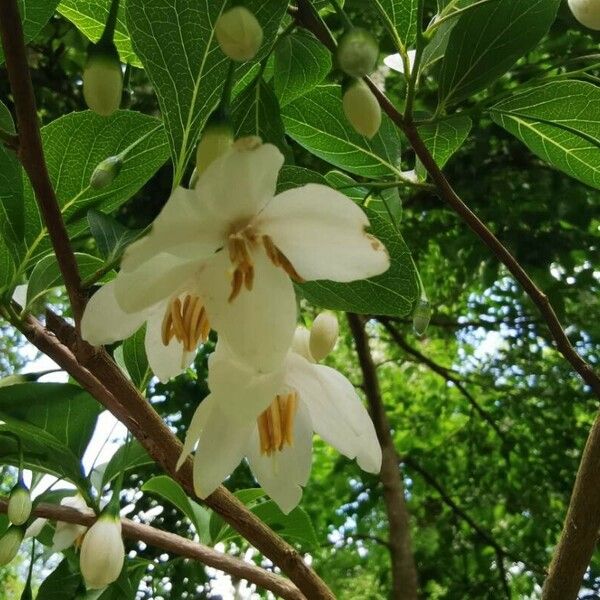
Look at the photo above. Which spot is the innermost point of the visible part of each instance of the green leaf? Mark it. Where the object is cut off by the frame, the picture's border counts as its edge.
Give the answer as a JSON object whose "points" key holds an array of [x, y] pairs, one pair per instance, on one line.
{"points": [[486, 42], [62, 583], [54, 421], [46, 274], [135, 359], [255, 111], [219, 530], [392, 293], [558, 122], [111, 237], [317, 122], [89, 16], [12, 209], [400, 19], [127, 457], [7, 266], [443, 139], [126, 586], [74, 145], [175, 41], [170, 490], [301, 63], [34, 14]]}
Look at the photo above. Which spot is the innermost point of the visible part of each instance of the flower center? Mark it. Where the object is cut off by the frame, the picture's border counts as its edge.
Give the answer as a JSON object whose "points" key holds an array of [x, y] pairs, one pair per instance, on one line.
{"points": [[240, 245], [187, 321], [276, 424]]}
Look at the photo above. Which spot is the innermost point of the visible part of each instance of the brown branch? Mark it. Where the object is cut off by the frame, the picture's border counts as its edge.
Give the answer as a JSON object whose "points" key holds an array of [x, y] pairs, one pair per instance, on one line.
{"points": [[96, 372], [31, 152], [174, 544], [404, 573], [446, 375]]}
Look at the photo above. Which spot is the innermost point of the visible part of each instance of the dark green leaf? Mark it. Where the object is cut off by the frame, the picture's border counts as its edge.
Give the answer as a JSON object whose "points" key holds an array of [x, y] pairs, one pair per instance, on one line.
{"points": [[400, 19], [127, 457], [62, 583], [111, 237], [136, 361]]}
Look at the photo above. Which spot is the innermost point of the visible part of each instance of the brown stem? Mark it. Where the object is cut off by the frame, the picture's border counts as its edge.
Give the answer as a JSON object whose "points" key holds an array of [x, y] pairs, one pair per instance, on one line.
{"points": [[31, 152], [96, 372], [404, 573], [174, 544]]}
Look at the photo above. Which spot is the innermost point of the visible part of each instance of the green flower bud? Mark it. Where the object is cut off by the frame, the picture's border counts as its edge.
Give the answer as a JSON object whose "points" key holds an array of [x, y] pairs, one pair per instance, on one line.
{"points": [[587, 12], [323, 335], [216, 140], [239, 33], [19, 504], [10, 543], [102, 79], [361, 108], [357, 52], [421, 317], [106, 172]]}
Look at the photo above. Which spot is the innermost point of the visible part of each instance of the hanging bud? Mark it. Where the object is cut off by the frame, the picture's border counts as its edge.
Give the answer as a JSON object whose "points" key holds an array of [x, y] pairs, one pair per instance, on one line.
{"points": [[587, 12], [106, 172], [102, 552], [357, 52], [216, 140], [421, 316], [361, 108], [323, 335], [102, 79], [10, 543], [239, 33], [19, 504]]}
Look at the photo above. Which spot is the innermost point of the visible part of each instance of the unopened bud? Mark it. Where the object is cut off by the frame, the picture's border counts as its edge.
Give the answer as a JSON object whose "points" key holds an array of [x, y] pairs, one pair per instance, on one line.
{"points": [[216, 140], [239, 33], [587, 12], [300, 343], [106, 172], [102, 79], [323, 335], [361, 108], [102, 552], [421, 317], [19, 504], [10, 543], [357, 52]]}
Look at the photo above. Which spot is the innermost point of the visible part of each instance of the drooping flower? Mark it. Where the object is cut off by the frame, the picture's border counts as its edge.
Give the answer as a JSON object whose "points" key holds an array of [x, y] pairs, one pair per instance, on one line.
{"points": [[68, 534], [236, 246], [102, 552], [277, 441]]}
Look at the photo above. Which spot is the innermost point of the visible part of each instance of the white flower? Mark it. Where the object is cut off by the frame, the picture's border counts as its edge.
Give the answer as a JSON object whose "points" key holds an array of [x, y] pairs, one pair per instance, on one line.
{"points": [[67, 534], [234, 245], [102, 552], [394, 61], [277, 442]]}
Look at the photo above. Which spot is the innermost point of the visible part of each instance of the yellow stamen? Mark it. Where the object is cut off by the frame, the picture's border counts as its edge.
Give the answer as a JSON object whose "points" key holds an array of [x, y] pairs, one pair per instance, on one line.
{"points": [[276, 424], [187, 321]]}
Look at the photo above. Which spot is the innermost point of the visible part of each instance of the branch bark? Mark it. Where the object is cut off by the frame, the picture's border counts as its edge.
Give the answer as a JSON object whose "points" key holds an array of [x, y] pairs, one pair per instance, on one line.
{"points": [[30, 150], [174, 544], [404, 573], [96, 372]]}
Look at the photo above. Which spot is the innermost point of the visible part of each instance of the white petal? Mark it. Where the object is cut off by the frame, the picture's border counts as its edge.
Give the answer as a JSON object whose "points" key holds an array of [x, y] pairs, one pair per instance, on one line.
{"points": [[322, 233], [165, 361], [259, 324], [284, 473], [394, 61], [237, 185], [243, 392], [65, 535], [161, 278], [104, 321], [35, 528], [220, 449], [196, 427]]}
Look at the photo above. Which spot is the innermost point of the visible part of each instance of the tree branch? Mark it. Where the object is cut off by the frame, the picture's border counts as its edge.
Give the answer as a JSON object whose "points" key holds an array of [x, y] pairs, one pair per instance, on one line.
{"points": [[404, 573], [96, 372], [174, 544], [30, 150]]}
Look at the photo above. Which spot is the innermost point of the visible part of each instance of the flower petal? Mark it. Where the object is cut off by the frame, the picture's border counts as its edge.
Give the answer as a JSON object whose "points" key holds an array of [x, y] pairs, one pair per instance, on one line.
{"points": [[284, 473], [161, 278], [195, 428], [243, 391], [220, 449], [104, 321], [257, 325], [165, 361], [237, 185], [322, 233]]}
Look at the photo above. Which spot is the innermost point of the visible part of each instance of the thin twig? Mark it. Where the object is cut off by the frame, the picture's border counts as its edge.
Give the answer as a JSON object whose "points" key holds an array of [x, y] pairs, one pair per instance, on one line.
{"points": [[174, 544]]}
